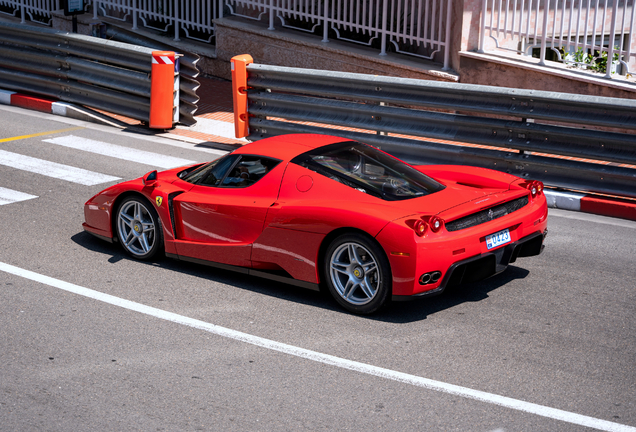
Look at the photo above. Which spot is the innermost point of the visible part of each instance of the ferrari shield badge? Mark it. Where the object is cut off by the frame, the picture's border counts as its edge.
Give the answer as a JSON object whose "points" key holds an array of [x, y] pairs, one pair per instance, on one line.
{"points": [[159, 200]]}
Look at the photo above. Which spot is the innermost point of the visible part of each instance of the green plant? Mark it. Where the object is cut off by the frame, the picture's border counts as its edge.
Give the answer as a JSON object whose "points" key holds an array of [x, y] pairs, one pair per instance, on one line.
{"points": [[596, 63]]}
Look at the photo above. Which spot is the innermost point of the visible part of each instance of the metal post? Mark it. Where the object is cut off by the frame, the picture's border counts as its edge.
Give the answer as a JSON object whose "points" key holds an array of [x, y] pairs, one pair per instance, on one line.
{"points": [[271, 15], [95, 7], [134, 15], [544, 31], [176, 20], [384, 22], [325, 30], [482, 33], [447, 46], [612, 36]]}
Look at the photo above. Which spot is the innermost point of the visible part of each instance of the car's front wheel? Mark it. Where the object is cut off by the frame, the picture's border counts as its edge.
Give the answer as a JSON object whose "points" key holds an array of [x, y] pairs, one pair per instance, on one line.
{"points": [[357, 273], [139, 228]]}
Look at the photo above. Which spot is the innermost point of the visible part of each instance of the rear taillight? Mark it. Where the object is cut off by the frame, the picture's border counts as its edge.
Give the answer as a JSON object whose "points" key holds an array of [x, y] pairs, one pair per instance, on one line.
{"points": [[436, 223], [535, 187], [433, 223], [420, 227]]}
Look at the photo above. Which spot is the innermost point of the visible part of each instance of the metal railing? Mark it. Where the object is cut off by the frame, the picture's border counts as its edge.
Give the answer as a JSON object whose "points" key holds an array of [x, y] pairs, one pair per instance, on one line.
{"points": [[98, 73], [193, 18], [418, 28], [396, 113], [415, 27], [598, 35], [38, 11]]}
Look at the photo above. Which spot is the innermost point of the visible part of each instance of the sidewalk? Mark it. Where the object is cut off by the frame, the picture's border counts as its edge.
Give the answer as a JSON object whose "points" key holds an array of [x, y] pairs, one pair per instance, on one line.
{"points": [[215, 129]]}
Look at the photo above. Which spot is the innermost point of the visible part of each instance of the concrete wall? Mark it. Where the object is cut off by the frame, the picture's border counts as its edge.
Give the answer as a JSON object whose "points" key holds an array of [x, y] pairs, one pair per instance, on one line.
{"points": [[487, 69]]}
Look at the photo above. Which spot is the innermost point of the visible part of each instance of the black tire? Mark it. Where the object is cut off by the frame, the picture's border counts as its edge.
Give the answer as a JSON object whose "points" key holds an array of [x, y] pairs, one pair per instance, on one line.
{"points": [[139, 228], [357, 273]]}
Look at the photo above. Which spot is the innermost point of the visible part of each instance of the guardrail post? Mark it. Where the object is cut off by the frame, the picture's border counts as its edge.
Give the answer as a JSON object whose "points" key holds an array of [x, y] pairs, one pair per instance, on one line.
{"points": [[239, 94], [162, 89]]}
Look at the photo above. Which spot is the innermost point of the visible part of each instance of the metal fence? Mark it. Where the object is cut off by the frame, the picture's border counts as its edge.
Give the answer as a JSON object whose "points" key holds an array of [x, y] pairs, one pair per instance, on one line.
{"points": [[598, 35], [193, 18], [415, 27], [418, 28], [399, 115], [107, 75], [38, 11]]}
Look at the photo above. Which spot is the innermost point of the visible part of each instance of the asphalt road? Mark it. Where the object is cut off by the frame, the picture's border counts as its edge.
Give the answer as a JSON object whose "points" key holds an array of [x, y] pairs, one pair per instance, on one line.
{"points": [[196, 348]]}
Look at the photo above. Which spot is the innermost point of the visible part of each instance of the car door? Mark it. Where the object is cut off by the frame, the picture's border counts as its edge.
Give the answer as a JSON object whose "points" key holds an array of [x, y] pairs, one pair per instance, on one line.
{"points": [[223, 214]]}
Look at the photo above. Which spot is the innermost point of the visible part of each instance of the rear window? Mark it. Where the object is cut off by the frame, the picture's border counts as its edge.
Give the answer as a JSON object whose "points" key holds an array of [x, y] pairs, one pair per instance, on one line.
{"points": [[368, 170]]}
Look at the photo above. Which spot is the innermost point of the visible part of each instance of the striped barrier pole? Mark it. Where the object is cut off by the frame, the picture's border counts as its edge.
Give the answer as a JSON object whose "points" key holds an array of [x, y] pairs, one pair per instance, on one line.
{"points": [[162, 85]]}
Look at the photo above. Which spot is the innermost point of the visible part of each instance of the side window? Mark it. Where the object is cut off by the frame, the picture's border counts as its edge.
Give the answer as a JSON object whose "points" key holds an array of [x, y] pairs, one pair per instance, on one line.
{"points": [[248, 170], [214, 176], [212, 173]]}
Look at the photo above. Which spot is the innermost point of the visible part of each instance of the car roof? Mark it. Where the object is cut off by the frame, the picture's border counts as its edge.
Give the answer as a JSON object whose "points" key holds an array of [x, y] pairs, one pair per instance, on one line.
{"points": [[286, 147]]}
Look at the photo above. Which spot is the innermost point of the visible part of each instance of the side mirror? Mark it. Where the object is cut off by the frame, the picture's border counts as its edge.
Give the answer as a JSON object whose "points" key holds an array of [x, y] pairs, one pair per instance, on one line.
{"points": [[150, 179]]}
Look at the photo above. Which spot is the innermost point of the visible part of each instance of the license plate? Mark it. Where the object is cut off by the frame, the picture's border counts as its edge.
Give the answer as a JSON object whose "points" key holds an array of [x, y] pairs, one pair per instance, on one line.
{"points": [[498, 238]]}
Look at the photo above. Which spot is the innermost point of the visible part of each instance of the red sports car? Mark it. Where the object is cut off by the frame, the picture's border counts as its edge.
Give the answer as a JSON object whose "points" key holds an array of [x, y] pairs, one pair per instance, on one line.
{"points": [[315, 209]]}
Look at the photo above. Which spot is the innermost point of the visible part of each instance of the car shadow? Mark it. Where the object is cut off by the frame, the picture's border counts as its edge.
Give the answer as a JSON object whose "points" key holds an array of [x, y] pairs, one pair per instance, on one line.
{"points": [[398, 312], [421, 308]]}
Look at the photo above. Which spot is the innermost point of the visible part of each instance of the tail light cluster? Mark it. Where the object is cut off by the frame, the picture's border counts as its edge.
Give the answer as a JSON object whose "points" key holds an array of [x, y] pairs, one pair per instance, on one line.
{"points": [[535, 187], [434, 223]]}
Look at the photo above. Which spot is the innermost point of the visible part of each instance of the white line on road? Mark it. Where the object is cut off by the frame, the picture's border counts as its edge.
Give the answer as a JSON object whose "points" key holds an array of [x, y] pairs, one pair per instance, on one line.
{"points": [[119, 152], [327, 359], [8, 196], [52, 169]]}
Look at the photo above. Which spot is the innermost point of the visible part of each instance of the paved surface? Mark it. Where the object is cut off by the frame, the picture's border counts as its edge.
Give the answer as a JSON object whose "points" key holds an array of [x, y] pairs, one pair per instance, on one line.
{"points": [[92, 340]]}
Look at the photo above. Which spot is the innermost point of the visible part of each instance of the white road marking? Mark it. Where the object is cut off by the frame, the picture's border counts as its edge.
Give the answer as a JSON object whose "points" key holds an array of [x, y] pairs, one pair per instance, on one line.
{"points": [[8, 196], [327, 359], [52, 169], [119, 152]]}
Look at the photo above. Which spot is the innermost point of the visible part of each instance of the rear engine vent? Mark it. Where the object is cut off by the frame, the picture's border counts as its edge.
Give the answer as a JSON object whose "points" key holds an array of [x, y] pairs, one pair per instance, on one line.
{"points": [[487, 215]]}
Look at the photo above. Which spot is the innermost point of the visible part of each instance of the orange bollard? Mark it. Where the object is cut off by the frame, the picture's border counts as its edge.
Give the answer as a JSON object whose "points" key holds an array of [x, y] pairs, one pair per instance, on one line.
{"points": [[239, 94], [162, 89]]}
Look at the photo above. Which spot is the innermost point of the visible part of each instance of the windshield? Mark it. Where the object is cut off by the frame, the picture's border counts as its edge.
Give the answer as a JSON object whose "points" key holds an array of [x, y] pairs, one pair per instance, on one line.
{"points": [[368, 170]]}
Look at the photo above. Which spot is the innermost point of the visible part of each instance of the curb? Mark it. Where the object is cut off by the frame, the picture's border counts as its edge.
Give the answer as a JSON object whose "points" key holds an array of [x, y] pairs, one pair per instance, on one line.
{"points": [[52, 106], [573, 201], [579, 202]]}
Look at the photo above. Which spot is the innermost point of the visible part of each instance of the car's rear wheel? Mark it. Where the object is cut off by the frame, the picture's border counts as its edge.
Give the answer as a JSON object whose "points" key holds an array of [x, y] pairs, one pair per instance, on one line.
{"points": [[139, 228], [357, 273]]}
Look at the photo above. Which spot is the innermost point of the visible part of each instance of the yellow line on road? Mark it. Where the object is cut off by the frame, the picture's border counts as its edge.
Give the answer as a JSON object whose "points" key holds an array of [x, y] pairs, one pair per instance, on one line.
{"points": [[40, 134]]}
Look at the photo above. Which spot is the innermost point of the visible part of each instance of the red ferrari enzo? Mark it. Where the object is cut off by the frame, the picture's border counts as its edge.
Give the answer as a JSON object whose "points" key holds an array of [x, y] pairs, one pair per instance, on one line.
{"points": [[314, 209]]}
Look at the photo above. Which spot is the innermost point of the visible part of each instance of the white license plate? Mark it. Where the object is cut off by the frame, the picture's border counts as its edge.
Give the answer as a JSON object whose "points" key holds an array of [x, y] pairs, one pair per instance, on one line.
{"points": [[498, 238]]}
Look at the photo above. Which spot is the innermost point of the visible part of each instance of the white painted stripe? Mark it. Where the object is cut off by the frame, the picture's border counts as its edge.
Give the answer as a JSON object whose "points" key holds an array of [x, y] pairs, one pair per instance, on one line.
{"points": [[327, 359], [8, 196], [166, 60], [563, 200], [52, 169], [59, 108], [119, 152], [214, 127], [5, 97]]}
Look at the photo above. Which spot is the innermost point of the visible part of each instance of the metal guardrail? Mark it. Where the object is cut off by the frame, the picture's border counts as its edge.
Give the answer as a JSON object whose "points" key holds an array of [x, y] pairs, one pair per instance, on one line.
{"points": [[188, 85], [401, 110], [85, 70]]}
